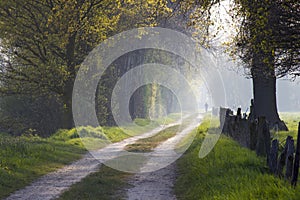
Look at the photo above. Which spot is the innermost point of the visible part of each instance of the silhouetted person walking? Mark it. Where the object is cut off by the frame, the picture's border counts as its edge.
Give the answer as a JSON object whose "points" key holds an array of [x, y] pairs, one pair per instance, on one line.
{"points": [[206, 107]]}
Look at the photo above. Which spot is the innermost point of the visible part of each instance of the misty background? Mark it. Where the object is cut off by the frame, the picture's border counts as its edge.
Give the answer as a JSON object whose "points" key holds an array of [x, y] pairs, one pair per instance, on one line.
{"points": [[238, 89]]}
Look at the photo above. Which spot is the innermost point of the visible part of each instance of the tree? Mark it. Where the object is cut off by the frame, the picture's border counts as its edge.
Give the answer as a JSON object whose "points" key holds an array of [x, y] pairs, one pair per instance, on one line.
{"points": [[45, 41], [196, 19], [22, 114], [268, 42]]}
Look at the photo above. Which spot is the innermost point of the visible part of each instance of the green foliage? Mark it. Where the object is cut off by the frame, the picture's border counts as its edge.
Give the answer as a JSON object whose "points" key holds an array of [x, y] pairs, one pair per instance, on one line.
{"points": [[228, 172], [89, 131], [199, 19], [20, 114], [268, 38], [44, 42]]}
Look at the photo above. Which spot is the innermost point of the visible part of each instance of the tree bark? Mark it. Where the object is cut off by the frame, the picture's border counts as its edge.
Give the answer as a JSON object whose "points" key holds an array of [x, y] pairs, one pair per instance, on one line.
{"points": [[67, 118], [263, 71], [264, 92], [263, 138]]}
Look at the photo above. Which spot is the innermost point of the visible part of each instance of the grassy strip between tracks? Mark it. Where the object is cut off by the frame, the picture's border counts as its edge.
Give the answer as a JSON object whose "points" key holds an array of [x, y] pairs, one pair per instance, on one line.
{"points": [[148, 144]]}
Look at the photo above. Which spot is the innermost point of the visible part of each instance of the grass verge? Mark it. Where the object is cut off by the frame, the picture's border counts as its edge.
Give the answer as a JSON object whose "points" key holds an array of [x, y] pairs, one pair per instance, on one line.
{"points": [[291, 120], [25, 158], [148, 144], [228, 172], [104, 184]]}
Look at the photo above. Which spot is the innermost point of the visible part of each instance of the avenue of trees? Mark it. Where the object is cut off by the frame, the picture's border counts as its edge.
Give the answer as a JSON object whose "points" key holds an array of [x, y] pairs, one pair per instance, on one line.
{"points": [[43, 43]]}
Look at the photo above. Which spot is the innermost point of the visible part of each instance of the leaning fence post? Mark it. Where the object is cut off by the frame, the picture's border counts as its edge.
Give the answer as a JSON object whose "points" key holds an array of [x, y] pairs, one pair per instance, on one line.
{"points": [[296, 163], [281, 159], [273, 156], [289, 158]]}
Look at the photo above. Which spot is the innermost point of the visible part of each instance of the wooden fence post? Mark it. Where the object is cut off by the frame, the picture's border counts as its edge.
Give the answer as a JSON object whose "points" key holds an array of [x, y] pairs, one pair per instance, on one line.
{"points": [[253, 134], [289, 158], [225, 120], [273, 156], [222, 117], [281, 160], [263, 138], [239, 113], [296, 163]]}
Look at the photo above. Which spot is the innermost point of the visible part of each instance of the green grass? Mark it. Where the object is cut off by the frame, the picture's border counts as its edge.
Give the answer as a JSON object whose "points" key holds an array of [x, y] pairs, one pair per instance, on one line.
{"points": [[97, 137], [182, 146], [142, 122], [144, 125], [229, 172], [25, 158], [171, 118], [291, 120], [208, 124], [148, 144], [105, 184], [109, 183], [90, 137]]}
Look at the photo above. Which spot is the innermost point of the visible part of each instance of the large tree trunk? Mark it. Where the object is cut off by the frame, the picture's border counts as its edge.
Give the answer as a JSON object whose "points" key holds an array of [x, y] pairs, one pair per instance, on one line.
{"points": [[67, 121], [263, 71], [264, 92], [67, 118]]}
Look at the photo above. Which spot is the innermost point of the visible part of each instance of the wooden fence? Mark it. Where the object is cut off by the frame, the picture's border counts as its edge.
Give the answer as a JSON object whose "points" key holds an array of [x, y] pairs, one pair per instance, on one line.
{"points": [[255, 135]]}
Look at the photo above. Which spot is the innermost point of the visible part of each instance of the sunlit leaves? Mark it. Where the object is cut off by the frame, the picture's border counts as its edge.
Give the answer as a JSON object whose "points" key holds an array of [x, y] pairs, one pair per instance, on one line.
{"points": [[46, 40]]}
